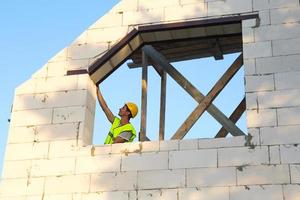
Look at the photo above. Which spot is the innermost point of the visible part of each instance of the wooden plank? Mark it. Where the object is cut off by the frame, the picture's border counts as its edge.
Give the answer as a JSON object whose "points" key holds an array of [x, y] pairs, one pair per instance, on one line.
{"points": [[189, 88], [216, 50], [162, 106], [212, 94], [234, 117], [144, 97]]}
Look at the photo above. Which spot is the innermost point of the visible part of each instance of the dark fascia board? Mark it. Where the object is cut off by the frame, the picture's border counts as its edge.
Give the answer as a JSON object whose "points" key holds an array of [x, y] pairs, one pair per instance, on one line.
{"points": [[164, 27]]}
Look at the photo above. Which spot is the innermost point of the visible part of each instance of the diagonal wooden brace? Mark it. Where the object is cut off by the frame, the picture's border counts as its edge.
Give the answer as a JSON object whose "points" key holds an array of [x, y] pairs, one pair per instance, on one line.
{"points": [[207, 101], [234, 117], [196, 94]]}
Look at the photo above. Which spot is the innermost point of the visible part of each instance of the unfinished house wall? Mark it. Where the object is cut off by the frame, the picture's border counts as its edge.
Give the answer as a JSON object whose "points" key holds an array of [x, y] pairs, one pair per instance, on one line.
{"points": [[49, 155]]}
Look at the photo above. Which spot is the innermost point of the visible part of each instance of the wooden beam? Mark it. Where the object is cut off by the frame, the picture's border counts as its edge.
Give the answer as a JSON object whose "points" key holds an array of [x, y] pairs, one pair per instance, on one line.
{"points": [[212, 94], [189, 88], [234, 117], [216, 50], [162, 106], [133, 65], [144, 97]]}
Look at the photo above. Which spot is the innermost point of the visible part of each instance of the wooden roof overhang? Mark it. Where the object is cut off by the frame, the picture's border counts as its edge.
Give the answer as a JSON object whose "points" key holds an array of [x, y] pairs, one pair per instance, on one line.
{"points": [[176, 41]]}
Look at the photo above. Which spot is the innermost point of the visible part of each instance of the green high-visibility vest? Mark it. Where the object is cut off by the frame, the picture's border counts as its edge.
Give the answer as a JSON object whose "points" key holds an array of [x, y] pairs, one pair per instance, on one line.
{"points": [[116, 130]]}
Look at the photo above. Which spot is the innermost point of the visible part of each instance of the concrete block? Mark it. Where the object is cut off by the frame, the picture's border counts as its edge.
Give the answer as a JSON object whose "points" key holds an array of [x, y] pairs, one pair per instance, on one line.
{"points": [[56, 84], [277, 64], [188, 144], [249, 66], [69, 114], [260, 5], [266, 192], [207, 193], [27, 87], [286, 47], [291, 192], [125, 5], [223, 142], [57, 68], [77, 64], [264, 17], [293, 83], [27, 151], [228, 7], [169, 145], [290, 153], [108, 20], [58, 197], [274, 154], [96, 164], [249, 23], [145, 161], [283, 3], [33, 117], [182, 2], [121, 181], [64, 148], [295, 174], [117, 195], [201, 177], [106, 34], [53, 167], [160, 179], [20, 187], [150, 146], [288, 116], [285, 15], [13, 187], [50, 100], [57, 132], [193, 158], [279, 99], [251, 101], [260, 118], [276, 32], [248, 35], [191, 11], [143, 16], [259, 83], [67, 184], [144, 5], [240, 156], [164, 194], [94, 150], [88, 50], [280, 135], [126, 148], [16, 169], [22, 134], [257, 50], [260, 175]]}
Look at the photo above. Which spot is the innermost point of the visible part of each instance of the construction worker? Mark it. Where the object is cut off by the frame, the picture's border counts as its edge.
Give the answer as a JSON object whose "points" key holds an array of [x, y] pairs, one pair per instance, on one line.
{"points": [[121, 130]]}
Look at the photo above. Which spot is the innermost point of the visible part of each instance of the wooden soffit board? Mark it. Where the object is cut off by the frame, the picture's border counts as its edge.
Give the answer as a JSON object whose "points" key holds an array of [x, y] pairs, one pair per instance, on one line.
{"points": [[177, 41]]}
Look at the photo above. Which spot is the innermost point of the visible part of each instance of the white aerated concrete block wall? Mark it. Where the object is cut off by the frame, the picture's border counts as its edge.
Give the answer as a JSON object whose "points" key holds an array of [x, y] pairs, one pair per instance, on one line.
{"points": [[49, 155]]}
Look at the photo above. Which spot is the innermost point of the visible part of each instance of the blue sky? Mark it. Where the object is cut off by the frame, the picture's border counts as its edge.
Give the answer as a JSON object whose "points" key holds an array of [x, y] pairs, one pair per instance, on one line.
{"points": [[33, 31]]}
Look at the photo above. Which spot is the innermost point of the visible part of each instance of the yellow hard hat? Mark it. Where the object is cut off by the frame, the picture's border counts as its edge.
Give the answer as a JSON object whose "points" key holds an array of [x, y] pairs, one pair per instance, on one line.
{"points": [[133, 108]]}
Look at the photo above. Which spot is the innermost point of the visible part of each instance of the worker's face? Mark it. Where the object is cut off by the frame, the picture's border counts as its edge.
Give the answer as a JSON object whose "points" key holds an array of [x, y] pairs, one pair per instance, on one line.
{"points": [[124, 111]]}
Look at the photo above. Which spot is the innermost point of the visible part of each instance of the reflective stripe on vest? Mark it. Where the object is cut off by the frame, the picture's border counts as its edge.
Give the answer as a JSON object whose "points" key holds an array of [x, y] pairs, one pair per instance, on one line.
{"points": [[116, 130]]}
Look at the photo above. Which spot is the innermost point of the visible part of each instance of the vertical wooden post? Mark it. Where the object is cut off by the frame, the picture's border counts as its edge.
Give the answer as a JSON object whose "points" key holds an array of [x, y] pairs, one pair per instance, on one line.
{"points": [[144, 97], [162, 106]]}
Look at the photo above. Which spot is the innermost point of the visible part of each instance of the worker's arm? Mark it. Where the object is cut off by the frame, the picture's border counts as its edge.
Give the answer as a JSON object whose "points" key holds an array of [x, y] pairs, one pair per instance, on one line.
{"points": [[123, 137], [104, 106], [119, 140]]}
